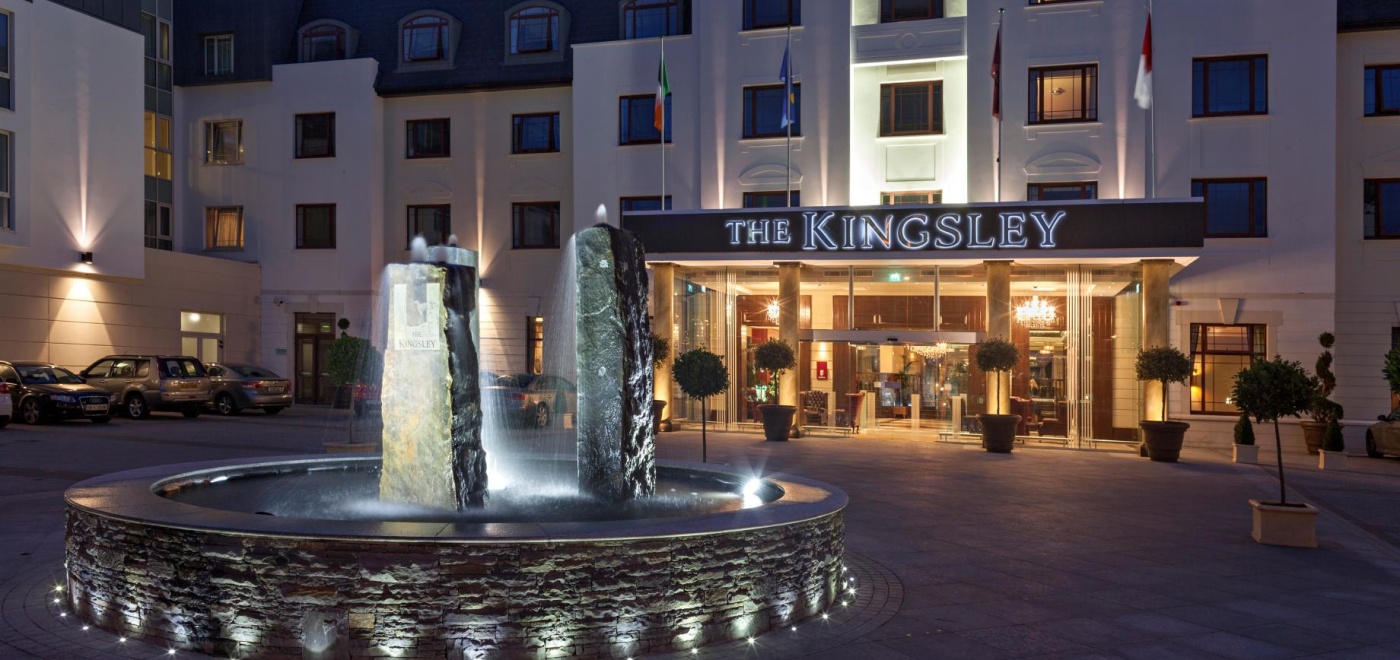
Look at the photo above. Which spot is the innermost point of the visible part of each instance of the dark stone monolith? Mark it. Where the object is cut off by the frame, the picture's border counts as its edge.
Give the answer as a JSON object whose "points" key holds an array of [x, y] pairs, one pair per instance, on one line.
{"points": [[616, 429]]}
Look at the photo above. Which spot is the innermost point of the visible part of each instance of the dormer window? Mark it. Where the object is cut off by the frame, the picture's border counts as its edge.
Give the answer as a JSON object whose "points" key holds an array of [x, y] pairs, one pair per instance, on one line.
{"points": [[534, 30], [425, 38], [645, 19], [323, 42]]}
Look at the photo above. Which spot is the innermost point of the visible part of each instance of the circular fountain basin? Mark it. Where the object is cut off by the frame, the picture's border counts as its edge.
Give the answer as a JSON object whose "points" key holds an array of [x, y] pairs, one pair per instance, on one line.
{"points": [[296, 558]]}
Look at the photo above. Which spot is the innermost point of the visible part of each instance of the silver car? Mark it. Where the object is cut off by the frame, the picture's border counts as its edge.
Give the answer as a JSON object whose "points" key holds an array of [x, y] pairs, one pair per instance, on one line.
{"points": [[1384, 436], [140, 384], [241, 386]]}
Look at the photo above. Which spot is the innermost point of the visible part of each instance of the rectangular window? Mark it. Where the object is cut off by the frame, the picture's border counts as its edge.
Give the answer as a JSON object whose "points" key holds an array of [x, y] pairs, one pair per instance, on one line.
{"points": [[159, 159], [315, 136], [893, 11], [1064, 94], [223, 228], [159, 227], [636, 120], [1049, 192], [775, 199], [647, 19], [535, 225], [218, 55], [316, 226], [652, 203], [223, 142], [430, 138], [432, 222], [1218, 352], [911, 197], [1234, 207], [763, 111], [7, 97], [7, 205], [911, 108], [1230, 86], [1381, 208], [759, 14], [534, 344], [1383, 90], [536, 133]]}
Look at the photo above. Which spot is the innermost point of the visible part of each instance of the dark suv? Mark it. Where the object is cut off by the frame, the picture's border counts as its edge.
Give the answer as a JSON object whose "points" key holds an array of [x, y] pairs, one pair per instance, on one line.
{"points": [[140, 384]]}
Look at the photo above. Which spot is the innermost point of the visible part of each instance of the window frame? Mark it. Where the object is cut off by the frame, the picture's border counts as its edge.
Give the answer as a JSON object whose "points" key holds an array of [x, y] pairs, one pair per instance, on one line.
{"points": [[752, 196], [159, 227], [936, 9], [212, 217], [412, 222], [750, 118], [517, 218], [300, 229], [1262, 224], [1040, 187], [211, 67], [1199, 350], [7, 95], [310, 32], [889, 109], [209, 142], [1373, 232], [623, 123], [629, 26], [794, 15], [412, 154], [1088, 99], [159, 145], [298, 137], [553, 42], [627, 204], [7, 181], [516, 132], [1200, 66], [442, 23], [887, 198], [1378, 89]]}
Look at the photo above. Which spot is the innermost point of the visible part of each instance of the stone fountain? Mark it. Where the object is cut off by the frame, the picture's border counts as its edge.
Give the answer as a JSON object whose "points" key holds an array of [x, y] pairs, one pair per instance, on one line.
{"points": [[415, 555]]}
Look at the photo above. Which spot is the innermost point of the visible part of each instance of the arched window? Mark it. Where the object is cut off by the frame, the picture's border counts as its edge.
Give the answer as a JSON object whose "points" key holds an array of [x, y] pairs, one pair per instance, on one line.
{"points": [[425, 38], [644, 19], [534, 30], [323, 42]]}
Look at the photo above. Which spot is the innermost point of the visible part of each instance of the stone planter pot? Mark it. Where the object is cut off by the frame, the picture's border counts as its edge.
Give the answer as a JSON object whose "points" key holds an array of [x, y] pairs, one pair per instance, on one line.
{"points": [[1163, 440], [1293, 525], [1331, 460], [1313, 433], [999, 432], [777, 421], [350, 447], [1247, 454], [658, 408]]}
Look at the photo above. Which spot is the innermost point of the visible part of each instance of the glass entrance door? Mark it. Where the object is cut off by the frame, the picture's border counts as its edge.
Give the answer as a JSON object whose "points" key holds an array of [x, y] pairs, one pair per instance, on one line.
{"points": [[314, 335]]}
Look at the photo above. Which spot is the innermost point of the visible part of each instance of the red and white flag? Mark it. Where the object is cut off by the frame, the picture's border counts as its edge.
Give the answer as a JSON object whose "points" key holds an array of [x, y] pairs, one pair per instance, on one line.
{"points": [[1143, 91]]}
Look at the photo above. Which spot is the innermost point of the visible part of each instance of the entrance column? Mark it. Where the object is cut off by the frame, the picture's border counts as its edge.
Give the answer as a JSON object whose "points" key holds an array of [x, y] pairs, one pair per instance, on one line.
{"points": [[789, 316], [1156, 314], [999, 326], [662, 324]]}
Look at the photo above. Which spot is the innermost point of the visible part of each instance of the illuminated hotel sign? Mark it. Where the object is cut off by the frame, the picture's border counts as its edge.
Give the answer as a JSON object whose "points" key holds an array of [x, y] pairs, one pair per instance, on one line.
{"points": [[1099, 225]]}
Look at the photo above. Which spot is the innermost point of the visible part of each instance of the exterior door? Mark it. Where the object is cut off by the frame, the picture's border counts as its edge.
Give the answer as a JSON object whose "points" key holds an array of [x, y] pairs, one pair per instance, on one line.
{"points": [[314, 335]]}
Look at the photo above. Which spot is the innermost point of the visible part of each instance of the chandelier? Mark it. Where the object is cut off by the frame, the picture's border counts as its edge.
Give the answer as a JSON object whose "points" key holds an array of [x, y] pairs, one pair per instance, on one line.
{"points": [[932, 352], [1036, 313]]}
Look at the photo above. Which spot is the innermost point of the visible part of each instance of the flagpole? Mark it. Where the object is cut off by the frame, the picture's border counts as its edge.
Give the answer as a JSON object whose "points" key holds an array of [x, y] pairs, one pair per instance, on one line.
{"points": [[787, 91], [1152, 115], [662, 202], [1001, 14]]}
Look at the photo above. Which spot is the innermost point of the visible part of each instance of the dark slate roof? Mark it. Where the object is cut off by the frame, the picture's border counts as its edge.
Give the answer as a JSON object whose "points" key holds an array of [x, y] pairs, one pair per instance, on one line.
{"points": [[265, 34], [124, 13], [1354, 15]]}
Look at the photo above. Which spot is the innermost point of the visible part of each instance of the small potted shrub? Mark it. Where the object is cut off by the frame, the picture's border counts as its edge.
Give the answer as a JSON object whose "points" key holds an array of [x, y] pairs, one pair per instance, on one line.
{"points": [[701, 375], [660, 354], [1245, 449], [1322, 410], [1165, 364], [996, 356], [352, 362], [1266, 391], [775, 356], [1333, 453], [1390, 368]]}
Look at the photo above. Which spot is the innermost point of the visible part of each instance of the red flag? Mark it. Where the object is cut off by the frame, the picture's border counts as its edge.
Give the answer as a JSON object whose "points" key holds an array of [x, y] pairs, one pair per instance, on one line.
{"points": [[1143, 90], [996, 77]]}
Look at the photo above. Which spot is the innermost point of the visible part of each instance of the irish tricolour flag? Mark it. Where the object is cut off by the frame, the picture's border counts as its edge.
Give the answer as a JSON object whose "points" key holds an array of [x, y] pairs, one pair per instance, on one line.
{"points": [[1143, 91], [663, 88]]}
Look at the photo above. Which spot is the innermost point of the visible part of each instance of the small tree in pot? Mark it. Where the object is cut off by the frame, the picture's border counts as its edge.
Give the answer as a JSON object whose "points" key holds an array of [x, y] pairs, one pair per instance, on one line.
{"points": [[660, 354], [1268, 390], [1245, 449], [1163, 364], [701, 375], [352, 361], [996, 356], [1322, 410], [775, 356]]}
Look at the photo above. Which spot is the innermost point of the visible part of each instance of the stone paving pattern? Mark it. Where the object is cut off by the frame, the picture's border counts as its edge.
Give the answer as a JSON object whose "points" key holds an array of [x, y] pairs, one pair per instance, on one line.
{"points": [[958, 553]]}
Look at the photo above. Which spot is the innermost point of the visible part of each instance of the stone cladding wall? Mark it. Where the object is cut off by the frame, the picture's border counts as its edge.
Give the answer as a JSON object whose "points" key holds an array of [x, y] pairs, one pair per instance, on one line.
{"points": [[257, 596]]}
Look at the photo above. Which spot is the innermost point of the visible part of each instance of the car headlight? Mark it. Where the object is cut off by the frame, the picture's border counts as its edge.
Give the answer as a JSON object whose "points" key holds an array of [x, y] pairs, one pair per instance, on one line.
{"points": [[64, 398]]}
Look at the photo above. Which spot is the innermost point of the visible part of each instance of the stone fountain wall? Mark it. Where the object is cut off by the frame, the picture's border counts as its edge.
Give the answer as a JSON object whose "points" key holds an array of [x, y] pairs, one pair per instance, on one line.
{"points": [[258, 596]]}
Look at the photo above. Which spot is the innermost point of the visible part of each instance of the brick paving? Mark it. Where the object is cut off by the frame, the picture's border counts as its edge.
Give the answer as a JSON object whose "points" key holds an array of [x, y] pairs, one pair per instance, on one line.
{"points": [[956, 553]]}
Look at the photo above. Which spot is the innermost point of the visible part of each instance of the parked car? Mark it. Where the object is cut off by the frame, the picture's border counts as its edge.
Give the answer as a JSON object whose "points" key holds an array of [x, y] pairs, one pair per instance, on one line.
{"points": [[140, 384], [530, 399], [240, 386], [1384, 436], [43, 392], [7, 409]]}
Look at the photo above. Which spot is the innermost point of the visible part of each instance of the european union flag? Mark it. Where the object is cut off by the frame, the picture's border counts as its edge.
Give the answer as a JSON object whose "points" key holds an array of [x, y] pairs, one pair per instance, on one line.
{"points": [[789, 99]]}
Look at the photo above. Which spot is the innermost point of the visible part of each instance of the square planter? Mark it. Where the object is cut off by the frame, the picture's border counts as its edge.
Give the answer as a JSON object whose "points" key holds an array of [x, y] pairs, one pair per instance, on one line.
{"points": [[1275, 524], [1247, 454], [1331, 460]]}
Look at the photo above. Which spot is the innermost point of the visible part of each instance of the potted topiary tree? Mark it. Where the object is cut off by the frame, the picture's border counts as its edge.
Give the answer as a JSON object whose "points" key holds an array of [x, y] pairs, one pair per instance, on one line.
{"points": [[1245, 449], [1268, 390], [1165, 364], [1322, 410], [660, 353], [775, 356], [1333, 453], [995, 356], [1390, 368], [701, 375], [352, 362]]}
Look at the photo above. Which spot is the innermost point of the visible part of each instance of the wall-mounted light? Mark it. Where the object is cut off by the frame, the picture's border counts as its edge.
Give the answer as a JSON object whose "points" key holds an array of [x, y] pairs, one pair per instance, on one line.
{"points": [[85, 257]]}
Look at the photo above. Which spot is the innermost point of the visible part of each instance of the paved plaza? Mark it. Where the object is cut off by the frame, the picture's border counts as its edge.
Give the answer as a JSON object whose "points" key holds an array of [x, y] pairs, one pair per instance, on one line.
{"points": [[956, 553]]}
